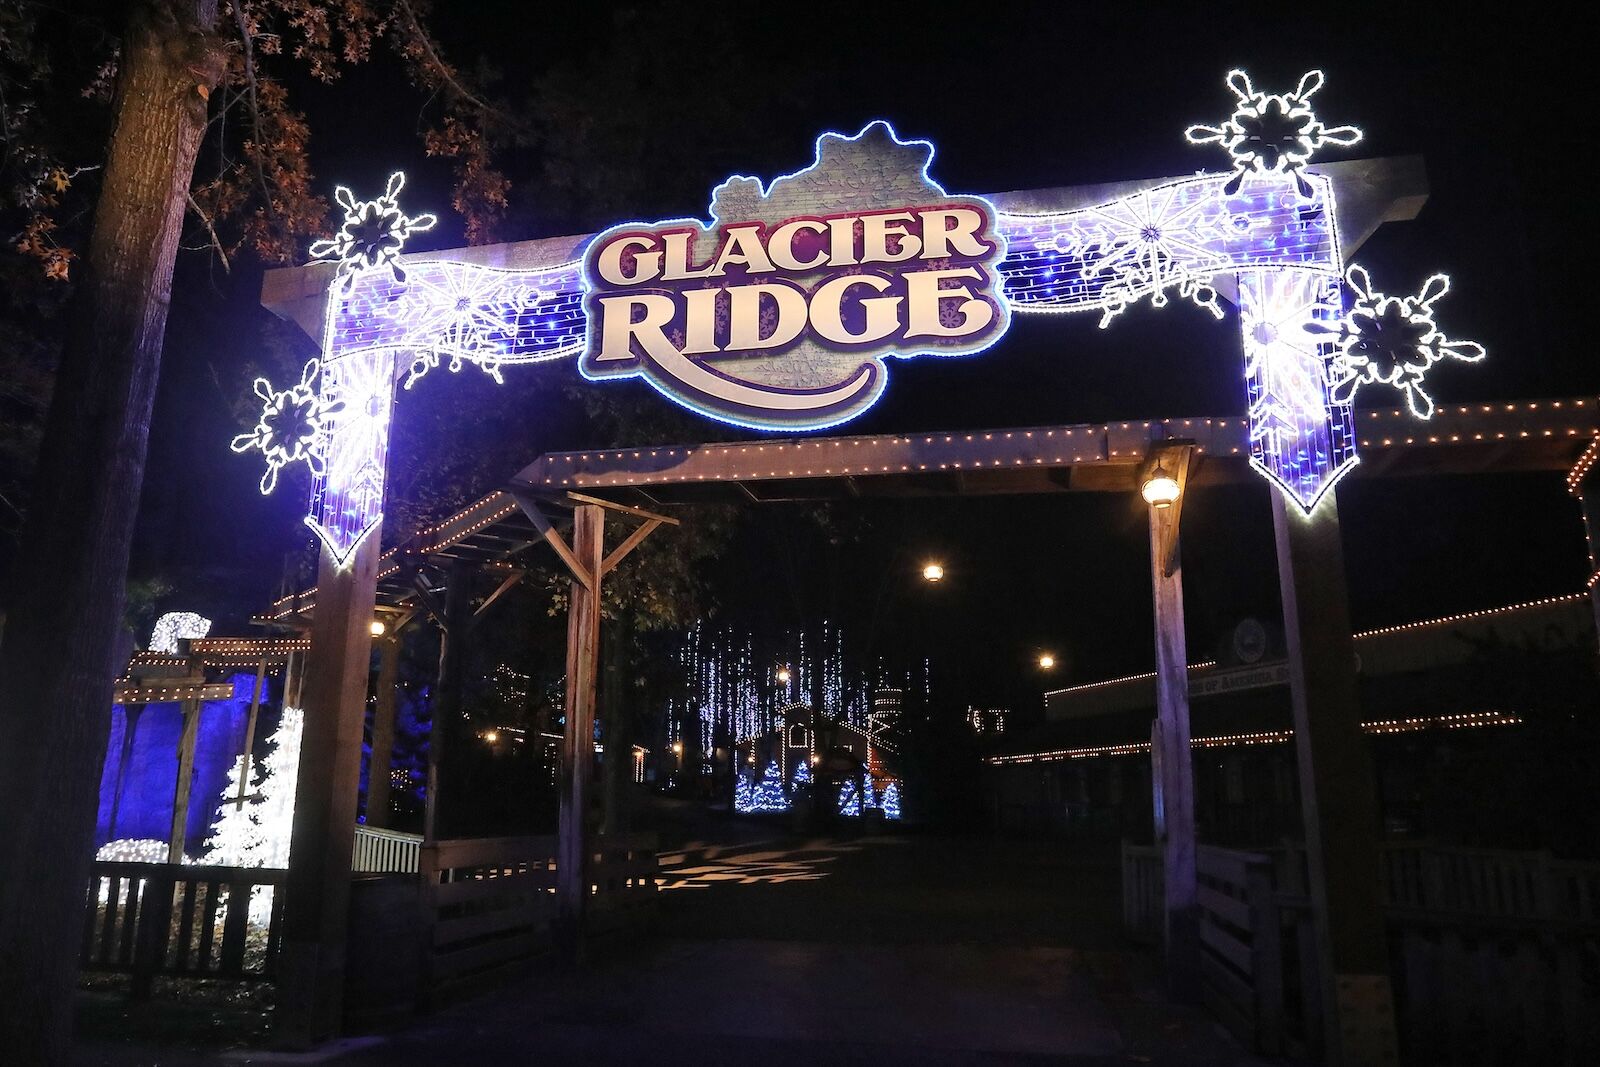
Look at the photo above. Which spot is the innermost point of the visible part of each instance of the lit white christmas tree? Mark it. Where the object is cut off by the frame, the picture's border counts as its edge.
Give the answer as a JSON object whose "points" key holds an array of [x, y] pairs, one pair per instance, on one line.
{"points": [[256, 833]]}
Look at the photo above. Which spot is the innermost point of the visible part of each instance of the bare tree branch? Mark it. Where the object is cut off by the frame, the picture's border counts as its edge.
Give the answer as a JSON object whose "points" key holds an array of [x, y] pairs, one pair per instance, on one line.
{"points": [[216, 242], [255, 109], [448, 77]]}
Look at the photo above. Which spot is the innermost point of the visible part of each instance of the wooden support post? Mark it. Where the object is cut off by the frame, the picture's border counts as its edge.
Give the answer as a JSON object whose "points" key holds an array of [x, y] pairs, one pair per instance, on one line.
{"points": [[447, 694], [316, 908], [1338, 791], [1172, 769], [383, 732], [250, 733], [577, 742], [1587, 490], [130, 726], [185, 780], [291, 679], [587, 561]]}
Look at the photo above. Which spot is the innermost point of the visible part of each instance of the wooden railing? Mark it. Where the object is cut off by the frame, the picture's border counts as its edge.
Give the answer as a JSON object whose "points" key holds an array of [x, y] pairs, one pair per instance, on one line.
{"points": [[1490, 884], [379, 851], [1241, 956], [150, 919], [1493, 949], [623, 881], [488, 903]]}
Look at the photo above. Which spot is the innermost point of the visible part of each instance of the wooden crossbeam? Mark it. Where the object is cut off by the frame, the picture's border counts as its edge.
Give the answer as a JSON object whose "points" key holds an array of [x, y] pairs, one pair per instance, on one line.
{"points": [[611, 505]]}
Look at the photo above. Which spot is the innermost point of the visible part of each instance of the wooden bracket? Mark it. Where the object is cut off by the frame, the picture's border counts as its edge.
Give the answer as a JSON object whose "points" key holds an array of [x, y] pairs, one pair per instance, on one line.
{"points": [[500, 590], [530, 507], [633, 541], [430, 603], [541, 522]]}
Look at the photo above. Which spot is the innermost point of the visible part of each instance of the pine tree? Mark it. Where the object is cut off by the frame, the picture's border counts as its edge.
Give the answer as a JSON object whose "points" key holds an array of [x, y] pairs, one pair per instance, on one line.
{"points": [[768, 794], [744, 793], [850, 798], [802, 778], [869, 796], [891, 800], [256, 834]]}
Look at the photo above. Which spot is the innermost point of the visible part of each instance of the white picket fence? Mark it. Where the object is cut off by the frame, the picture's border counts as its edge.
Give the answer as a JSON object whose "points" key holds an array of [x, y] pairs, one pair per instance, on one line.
{"points": [[380, 851]]}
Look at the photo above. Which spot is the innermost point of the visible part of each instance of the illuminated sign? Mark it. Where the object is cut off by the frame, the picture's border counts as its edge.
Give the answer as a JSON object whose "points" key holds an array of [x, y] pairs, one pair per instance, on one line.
{"points": [[782, 311]]}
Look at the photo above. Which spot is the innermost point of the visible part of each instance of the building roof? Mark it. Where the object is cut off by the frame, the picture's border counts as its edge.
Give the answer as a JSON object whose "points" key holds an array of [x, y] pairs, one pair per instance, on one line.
{"points": [[1112, 717], [1412, 646]]}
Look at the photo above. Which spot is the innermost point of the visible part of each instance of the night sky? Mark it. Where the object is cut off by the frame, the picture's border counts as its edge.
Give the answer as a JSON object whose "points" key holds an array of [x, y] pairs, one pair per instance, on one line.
{"points": [[1015, 97]]}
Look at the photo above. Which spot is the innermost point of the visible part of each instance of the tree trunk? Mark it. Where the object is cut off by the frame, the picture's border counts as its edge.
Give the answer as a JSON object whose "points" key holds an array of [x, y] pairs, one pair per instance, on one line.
{"points": [[57, 657]]}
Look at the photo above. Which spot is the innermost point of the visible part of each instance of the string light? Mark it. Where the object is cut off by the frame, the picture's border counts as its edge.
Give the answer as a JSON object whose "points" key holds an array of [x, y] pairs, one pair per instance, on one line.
{"points": [[175, 626], [1299, 438], [1580, 470], [1466, 616], [1393, 341], [373, 232], [1175, 236], [290, 428], [1443, 620], [1275, 133], [1460, 721]]}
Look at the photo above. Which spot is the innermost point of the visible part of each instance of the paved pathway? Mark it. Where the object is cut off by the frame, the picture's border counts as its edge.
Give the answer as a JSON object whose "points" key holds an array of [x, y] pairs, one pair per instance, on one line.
{"points": [[833, 950]]}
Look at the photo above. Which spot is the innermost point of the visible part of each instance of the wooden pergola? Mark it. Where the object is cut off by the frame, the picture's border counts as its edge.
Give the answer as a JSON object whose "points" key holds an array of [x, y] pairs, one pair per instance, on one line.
{"points": [[572, 491], [562, 499]]}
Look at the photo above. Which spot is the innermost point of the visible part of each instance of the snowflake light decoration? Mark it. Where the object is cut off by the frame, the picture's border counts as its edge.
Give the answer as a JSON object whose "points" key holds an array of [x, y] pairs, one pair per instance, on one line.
{"points": [[291, 426], [1149, 242], [1272, 133], [373, 232], [1392, 341]]}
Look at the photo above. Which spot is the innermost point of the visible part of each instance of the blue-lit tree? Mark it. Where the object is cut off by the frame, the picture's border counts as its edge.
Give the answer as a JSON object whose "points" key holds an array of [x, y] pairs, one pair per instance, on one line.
{"points": [[849, 798], [802, 778], [890, 799], [768, 794], [744, 792]]}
